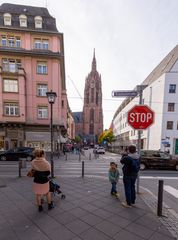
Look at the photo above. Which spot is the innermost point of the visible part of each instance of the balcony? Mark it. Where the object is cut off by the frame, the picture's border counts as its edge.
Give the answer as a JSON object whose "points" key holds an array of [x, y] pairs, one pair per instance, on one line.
{"points": [[11, 68]]}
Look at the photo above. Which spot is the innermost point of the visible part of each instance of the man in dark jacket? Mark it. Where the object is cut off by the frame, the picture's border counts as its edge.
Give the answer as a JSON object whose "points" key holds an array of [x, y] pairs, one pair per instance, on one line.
{"points": [[131, 166]]}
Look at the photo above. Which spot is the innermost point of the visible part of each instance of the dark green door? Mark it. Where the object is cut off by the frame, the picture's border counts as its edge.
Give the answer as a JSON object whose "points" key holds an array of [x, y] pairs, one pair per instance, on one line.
{"points": [[176, 147]]}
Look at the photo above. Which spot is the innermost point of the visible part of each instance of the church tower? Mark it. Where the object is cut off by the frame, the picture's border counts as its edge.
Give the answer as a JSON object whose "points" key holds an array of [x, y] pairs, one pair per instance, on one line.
{"points": [[92, 109]]}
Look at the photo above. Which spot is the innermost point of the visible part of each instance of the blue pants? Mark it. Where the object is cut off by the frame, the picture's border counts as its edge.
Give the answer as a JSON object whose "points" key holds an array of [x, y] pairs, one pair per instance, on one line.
{"points": [[113, 189], [129, 187]]}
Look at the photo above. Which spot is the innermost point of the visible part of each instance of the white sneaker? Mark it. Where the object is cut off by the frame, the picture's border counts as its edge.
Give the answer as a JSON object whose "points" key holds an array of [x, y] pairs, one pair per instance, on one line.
{"points": [[124, 204]]}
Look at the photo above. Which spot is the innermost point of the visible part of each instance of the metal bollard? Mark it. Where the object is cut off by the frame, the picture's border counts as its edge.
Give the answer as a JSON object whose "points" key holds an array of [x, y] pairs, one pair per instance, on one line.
{"points": [[20, 167], [79, 157], [90, 156], [82, 169], [160, 197]]}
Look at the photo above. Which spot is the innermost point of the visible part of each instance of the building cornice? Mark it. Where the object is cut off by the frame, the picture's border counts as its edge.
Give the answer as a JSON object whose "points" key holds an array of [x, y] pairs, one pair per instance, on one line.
{"points": [[33, 53]]}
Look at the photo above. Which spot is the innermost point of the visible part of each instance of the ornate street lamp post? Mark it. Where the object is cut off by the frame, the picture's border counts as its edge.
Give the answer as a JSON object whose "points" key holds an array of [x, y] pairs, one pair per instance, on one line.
{"points": [[51, 99]]}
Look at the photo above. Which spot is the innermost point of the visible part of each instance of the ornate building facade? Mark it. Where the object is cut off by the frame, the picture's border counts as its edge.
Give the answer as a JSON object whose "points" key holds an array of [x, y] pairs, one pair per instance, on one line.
{"points": [[92, 116]]}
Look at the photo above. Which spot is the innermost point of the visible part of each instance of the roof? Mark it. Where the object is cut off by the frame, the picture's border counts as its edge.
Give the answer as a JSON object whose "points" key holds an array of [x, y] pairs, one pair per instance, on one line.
{"points": [[49, 23], [164, 66], [78, 117]]}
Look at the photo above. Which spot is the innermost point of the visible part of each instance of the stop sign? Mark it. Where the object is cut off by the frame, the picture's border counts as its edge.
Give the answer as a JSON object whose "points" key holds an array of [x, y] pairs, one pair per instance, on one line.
{"points": [[140, 117]]}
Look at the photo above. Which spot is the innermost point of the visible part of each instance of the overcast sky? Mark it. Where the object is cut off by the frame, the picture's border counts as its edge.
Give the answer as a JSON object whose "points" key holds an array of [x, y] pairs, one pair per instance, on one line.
{"points": [[130, 38]]}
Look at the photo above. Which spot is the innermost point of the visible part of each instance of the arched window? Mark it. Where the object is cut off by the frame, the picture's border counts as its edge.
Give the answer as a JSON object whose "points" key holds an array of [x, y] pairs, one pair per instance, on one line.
{"points": [[91, 130], [92, 95], [23, 20], [87, 98], [92, 115], [7, 19], [38, 22], [96, 98]]}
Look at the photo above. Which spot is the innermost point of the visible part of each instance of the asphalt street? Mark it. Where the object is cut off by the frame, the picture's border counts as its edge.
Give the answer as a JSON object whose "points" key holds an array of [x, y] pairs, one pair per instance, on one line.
{"points": [[71, 166]]}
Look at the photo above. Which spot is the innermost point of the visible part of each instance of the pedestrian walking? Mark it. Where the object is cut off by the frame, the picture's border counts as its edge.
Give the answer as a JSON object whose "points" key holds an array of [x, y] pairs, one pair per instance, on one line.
{"points": [[131, 167], [113, 177], [42, 169]]}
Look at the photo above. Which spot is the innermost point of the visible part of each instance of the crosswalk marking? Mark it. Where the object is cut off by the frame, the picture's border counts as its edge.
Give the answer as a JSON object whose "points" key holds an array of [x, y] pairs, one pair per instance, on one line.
{"points": [[171, 190]]}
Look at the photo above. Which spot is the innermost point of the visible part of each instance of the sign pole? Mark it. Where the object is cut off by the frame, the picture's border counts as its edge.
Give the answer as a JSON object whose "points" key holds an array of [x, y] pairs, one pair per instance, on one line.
{"points": [[139, 140]]}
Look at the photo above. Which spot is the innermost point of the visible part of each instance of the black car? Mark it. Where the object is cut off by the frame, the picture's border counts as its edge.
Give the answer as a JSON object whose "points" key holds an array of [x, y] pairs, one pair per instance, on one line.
{"points": [[158, 159], [16, 153]]}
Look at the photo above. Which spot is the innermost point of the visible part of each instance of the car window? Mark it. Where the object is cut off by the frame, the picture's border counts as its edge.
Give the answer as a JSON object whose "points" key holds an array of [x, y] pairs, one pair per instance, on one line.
{"points": [[165, 156]]}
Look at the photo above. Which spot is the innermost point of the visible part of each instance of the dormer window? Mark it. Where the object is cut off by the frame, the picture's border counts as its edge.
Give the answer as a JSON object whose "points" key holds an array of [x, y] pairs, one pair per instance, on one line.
{"points": [[23, 20], [7, 19], [38, 22]]}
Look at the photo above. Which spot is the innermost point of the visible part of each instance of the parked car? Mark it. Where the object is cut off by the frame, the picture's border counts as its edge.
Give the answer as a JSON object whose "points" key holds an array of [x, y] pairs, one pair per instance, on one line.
{"points": [[100, 150], [16, 153], [157, 159]]}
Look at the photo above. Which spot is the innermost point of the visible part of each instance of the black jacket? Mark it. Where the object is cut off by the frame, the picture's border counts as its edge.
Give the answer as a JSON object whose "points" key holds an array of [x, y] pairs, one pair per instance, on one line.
{"points": [[41, 176], [126, 161]]}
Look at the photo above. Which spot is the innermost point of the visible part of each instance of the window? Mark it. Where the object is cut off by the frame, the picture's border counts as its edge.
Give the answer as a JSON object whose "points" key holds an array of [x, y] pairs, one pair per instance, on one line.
{"points": [[11, 65], [45, 44], [10, 85], [92, 94], [10, 41], [42, 89], [172, 88], [91, 130], [43, 112], [171, 107], [11, 109], [41, 43], [23, 20], [7, 19], [37, 43], [169, 125], [41, 68], [38, 22], [3, 41], [92, 115], [96, 98], [62, 103]]}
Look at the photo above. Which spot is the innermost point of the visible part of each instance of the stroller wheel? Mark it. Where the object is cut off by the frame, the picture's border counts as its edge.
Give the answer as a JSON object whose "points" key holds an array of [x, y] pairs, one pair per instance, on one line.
{"points": [[63, 196]]}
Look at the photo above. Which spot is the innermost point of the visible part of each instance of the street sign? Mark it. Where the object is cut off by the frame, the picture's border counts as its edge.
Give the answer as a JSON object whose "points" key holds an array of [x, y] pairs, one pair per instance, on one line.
{"points": [[140, 117], [124, 93]]}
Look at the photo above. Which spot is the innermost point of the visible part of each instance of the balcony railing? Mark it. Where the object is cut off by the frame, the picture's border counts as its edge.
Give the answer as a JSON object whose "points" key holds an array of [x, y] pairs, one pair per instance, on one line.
{"points": [[13, 68]]}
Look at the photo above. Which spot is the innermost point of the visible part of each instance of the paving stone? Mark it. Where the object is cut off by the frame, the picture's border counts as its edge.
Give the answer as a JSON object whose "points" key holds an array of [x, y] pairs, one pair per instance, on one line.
{"points": [[89, 207], [91, 219], [93, 234], [158, 236], [108, 228], [128, 214], [78, 212], [78, 226], [119, 221], [101, 213], [150, 221], [125, 235], [65, 218], [139, 230], [61, 233]]}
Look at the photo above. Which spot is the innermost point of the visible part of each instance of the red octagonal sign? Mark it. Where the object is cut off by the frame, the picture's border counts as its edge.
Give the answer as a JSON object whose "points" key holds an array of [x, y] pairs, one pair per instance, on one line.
{"points": [[140, 117]]}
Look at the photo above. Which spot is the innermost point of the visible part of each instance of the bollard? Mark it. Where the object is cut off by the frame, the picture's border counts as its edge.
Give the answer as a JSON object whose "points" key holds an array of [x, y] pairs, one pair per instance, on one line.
{"points": [[20, 167], [79, 157], [82, 169], [160, 198], [90, 156], [66, 157]]}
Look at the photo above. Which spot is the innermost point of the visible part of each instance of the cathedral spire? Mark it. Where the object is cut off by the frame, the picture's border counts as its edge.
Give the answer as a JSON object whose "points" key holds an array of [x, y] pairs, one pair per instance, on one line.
{"points": [[94, 62]]}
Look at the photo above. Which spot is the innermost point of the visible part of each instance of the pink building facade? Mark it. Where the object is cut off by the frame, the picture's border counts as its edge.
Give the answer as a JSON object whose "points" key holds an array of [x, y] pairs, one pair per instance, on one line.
{"points": [[31, 63]]}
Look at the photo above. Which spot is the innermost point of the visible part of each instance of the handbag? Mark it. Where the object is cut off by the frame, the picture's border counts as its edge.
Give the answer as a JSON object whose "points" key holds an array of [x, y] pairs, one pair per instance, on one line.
{"points": [[31, 173]]}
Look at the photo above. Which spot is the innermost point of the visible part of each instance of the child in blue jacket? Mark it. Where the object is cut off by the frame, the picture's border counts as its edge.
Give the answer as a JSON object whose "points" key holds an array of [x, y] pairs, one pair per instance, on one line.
{"points": [[113, 177]]}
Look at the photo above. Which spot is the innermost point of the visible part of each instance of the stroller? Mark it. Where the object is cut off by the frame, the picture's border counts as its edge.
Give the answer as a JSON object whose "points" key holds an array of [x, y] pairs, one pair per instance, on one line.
{"points": [[54, 187]]}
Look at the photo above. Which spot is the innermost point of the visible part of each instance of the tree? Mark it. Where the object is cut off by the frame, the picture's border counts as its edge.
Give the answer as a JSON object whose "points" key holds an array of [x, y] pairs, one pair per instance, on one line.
{"points": [[78, 139], [106, 135]]}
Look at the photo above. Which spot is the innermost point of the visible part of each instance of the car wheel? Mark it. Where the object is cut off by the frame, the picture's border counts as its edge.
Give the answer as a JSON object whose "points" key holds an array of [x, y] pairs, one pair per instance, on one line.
{"points": [[177, 167], [142, 166], [3, 158], [29, 158]]}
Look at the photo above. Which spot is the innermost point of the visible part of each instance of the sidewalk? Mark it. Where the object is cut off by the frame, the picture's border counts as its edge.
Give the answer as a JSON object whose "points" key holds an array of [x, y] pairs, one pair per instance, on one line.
{"points": [[89, 212]]}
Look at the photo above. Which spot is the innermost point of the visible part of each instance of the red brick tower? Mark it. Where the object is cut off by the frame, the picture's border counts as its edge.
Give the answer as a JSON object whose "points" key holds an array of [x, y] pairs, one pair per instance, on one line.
{"points": [[92, 109]]}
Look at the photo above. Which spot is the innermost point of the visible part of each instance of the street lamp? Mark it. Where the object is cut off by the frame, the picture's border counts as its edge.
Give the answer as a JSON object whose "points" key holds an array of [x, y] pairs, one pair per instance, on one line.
{"points": [[51, 99]]}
